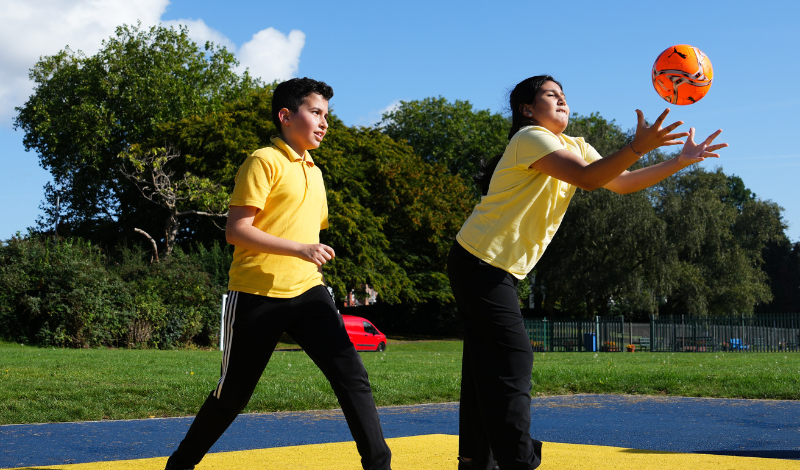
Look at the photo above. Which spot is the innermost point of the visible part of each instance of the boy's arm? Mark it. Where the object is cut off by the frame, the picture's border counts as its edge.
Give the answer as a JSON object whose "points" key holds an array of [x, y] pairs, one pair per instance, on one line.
{"points": [[240, 231]]}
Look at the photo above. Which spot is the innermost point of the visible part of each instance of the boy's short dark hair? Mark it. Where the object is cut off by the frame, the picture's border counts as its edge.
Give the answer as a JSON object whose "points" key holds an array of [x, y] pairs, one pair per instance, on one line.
{"points": [[291, 93]]}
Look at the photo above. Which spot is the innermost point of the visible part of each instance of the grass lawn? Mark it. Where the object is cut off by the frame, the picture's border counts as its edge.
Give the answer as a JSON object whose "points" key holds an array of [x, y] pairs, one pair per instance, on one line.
{"points": [[49, 385]]}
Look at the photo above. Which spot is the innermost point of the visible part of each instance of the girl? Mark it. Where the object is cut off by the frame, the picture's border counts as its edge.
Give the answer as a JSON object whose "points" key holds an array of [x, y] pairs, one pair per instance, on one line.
{"points": [[526, 192]]}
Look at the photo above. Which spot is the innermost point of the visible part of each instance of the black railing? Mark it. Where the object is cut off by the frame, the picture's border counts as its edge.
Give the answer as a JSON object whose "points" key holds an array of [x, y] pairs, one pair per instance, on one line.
{"points": [[759, 333], [602, 334], [684, 333]]}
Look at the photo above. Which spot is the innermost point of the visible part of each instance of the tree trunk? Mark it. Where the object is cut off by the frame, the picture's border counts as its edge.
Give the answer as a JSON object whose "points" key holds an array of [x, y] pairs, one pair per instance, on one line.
{"points": [[171, 231]]}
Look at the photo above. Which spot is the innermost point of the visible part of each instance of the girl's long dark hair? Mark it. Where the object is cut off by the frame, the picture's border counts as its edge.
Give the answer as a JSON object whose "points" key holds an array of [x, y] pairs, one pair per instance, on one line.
{"points": [[523, 93]]}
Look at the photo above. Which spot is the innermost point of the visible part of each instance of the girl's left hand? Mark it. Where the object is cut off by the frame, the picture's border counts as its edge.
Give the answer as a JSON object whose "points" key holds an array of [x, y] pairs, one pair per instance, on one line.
{"points": [[694, 153], [649, 138]]}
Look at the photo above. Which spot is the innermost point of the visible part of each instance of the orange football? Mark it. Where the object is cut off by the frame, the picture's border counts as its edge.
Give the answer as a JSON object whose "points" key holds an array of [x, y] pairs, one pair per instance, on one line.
{"points": [[682, 74]]}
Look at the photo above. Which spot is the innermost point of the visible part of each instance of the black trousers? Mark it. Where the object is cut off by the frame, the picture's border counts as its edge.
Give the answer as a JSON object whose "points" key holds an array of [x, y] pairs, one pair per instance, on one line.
{"points": [[253, 327], [494, 416]]}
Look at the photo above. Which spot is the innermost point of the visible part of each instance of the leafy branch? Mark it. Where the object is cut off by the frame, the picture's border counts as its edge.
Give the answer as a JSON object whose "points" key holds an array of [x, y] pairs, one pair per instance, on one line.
{"points": [[147, 169]]}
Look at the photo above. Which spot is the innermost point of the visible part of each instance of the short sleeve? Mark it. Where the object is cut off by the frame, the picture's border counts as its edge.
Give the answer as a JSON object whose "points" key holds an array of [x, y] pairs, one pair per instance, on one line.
{"points": [[533, 143], [253, 183], [588, 152], [323, 224]]}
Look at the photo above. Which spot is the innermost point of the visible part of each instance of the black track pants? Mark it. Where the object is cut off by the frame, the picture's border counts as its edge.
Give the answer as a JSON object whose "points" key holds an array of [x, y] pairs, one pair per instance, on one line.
{"points": [[495, 420], [253, 326]]}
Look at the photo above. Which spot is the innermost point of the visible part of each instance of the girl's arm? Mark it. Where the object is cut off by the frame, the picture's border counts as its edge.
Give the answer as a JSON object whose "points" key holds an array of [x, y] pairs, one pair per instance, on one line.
{"points": [[240, 231], [632, 181], [568, 167]]}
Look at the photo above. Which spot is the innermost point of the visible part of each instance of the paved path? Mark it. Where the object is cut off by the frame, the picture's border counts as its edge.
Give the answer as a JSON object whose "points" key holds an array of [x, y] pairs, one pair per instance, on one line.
{"points": [[572, 426]]}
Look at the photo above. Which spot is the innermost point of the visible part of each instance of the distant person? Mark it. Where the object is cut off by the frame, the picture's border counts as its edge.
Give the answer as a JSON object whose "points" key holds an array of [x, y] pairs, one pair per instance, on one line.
{"points": [[526, 192], [277, 210]]}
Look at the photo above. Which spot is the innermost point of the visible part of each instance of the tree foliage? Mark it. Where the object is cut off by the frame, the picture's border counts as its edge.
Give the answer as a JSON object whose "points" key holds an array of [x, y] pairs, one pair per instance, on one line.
{"points": [[86, 110], [718, 241], [213, 146], [782, 265], [417, 210], [610, 248], [148, 171], [450, 134]]}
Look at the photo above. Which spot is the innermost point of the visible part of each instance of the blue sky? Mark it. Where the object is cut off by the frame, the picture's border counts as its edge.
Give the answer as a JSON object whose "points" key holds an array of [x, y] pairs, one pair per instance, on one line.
{"points": [[375, 54]]}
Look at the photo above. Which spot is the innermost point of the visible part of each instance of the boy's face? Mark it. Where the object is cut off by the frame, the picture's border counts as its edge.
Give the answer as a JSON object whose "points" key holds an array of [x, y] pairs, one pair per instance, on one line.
{"points": [[304, 130]]}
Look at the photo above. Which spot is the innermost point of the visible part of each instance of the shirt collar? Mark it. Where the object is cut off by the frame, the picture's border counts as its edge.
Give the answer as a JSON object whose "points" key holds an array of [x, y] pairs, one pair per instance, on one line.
{"points": [[289, 152]]}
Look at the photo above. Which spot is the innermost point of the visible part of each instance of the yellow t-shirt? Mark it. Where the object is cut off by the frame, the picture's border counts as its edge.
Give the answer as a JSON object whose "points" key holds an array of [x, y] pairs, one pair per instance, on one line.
{"points": [[513, 224], [290, 194]]}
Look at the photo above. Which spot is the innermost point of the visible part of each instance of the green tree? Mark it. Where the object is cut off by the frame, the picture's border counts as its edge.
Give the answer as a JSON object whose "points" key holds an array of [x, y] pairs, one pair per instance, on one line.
{"points": [[611, 249], [719, 239], [148, 171], [213, 146], [86, 110], [409, 214], [451, 134], [782, 266]]}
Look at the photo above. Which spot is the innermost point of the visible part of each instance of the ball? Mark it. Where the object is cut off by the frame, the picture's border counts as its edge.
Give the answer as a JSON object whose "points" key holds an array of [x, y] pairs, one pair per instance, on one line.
{"points": [[682, 74]]}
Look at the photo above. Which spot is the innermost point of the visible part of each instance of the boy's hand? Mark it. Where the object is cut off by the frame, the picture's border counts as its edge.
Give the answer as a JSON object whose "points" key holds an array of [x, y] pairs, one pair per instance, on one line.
{"points": [[653, 137], [317, 253]]}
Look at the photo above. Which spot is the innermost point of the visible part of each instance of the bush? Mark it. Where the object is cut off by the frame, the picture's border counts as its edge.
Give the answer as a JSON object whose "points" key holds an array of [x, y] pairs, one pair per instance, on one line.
{"points": [[177, 301], [59, 294], [68, 293]]}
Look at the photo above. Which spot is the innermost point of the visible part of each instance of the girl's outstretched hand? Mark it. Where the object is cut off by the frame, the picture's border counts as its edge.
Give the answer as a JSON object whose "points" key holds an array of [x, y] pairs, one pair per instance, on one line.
{"points": [[649, 138], [693, 153]]}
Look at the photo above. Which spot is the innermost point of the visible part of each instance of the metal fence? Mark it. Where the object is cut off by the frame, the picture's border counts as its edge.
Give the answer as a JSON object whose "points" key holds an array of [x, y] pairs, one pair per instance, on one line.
{"points": [[761, 333], [603, 334], [685, 333]]}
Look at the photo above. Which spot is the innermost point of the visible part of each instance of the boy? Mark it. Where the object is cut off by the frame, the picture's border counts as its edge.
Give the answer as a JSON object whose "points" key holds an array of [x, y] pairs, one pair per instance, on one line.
{"points": [[277, 209]]}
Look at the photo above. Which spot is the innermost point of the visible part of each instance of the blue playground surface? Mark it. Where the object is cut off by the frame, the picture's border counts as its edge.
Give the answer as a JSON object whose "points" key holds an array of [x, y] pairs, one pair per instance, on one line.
{"points": [[765, 429]]}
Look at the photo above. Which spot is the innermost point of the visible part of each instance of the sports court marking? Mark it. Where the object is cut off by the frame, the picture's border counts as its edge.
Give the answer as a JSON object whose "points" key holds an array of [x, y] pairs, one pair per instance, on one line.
{"points": [[437, 451]]}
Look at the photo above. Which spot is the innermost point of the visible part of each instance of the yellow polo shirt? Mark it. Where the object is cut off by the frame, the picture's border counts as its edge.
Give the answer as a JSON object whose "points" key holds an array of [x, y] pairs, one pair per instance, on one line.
{"points": [[513, 224], [290, 194]]}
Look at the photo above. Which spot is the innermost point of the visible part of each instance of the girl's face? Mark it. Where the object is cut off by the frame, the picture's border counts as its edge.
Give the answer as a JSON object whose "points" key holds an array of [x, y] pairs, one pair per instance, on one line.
{"points": [[549, 108]]}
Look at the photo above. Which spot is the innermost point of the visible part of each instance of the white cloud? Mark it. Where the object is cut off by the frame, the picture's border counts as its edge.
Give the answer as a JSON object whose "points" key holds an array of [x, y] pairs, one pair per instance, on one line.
{"points": [[30, 29], [33, 28], [200, 33], [271, 55]]}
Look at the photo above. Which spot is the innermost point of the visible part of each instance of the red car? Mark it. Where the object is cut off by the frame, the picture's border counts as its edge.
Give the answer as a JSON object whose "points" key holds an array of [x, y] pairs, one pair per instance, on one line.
{"points": [[363, 334]]}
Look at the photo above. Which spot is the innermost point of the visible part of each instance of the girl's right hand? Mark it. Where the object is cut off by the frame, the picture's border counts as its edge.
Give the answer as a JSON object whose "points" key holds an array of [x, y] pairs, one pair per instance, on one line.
{"points": [[649, 138]]}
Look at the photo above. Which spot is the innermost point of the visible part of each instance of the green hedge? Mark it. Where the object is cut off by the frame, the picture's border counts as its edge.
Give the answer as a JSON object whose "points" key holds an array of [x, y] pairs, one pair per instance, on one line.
{"points": [[71, 294]]}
